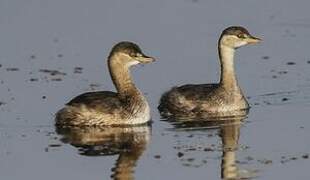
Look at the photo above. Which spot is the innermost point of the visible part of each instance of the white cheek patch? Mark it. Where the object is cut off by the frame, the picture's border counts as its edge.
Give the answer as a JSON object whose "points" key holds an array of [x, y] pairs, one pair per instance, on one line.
{"points": [[133, 62], [240, 43], [233, 41], [229, 40]]}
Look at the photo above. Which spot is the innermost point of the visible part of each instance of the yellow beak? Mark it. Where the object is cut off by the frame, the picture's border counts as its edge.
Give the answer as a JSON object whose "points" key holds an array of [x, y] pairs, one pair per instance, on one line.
{"points": [[253, 40], [145, 59]]}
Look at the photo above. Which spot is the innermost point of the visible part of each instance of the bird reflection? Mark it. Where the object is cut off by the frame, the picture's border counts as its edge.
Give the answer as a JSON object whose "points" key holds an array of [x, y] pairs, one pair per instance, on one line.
{"points": [[229, 131], [229, 134], [128, 143]]}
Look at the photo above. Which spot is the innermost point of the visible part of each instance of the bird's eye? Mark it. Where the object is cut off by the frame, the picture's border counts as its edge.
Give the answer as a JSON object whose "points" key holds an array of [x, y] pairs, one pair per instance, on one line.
{"points": [[138, 55], [241, 36]]}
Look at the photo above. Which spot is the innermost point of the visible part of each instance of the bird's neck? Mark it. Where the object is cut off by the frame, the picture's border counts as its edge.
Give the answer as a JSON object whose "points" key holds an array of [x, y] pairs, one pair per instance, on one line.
{"points": [[228, 78], [121, 77]]}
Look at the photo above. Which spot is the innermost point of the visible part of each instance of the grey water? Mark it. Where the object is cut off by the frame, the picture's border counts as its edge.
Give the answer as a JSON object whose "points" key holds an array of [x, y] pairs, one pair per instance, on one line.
{"points": [[51, 51]]}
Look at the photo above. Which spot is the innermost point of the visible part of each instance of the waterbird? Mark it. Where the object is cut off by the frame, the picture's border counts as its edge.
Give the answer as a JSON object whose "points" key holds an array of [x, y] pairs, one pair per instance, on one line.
{"points": [[221, 99], [127, 106]]}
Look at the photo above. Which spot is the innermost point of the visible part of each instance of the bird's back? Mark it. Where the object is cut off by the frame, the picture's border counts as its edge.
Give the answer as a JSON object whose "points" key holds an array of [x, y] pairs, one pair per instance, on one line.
{"points": [[199, 100], [101, 100], [101, 108]]}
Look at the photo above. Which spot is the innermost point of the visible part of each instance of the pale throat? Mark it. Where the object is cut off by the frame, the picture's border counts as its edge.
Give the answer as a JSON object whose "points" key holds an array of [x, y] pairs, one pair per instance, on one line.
{"points": [[228, 76], [121, 76]]}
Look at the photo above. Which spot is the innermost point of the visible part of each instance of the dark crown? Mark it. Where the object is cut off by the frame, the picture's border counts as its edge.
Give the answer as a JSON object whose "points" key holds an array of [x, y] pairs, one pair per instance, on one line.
{"points": [[126, 47], [236, 30]]}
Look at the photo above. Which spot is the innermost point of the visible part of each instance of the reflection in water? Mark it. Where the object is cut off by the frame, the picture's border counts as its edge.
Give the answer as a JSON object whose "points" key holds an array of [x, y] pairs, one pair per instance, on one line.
{"points": [[229, 131], [127, 142], [229, 134]]}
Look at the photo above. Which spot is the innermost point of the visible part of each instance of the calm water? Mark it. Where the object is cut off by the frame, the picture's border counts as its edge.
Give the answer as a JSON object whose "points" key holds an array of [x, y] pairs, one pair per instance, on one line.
{"points": [[73, 37]]}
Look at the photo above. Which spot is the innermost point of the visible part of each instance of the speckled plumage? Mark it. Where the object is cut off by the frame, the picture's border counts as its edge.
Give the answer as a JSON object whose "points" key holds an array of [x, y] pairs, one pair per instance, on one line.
{"points": [[104, 108], [207, 100], [127, 106], [202, 101]]}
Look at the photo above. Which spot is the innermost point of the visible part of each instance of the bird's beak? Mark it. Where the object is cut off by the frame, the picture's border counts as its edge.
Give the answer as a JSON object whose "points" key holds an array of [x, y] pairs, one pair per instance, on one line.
{"points": [[145, 59], [253, 40]]}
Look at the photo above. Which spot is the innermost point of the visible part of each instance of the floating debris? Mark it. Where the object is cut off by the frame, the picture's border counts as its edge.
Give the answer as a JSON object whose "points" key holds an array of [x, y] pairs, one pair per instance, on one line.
{"points": [[208, 149], [2, 103], [157, 156], [265, 57], [33, 79], [180, 154], [305, 156], [291, 63], [52, 72], [60, 55], [12, 69], [284, 99], [32, 57], [293, 158], [54, 145], [78, 70], [43, 97]]}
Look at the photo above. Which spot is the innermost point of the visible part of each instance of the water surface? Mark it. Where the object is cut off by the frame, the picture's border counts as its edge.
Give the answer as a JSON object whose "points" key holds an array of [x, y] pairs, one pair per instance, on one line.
{"points": [[51, 51]]}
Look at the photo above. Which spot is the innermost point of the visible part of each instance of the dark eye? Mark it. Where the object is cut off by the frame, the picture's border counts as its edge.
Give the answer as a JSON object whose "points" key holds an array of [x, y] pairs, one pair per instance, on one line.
{"points": [[241, 36]]}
